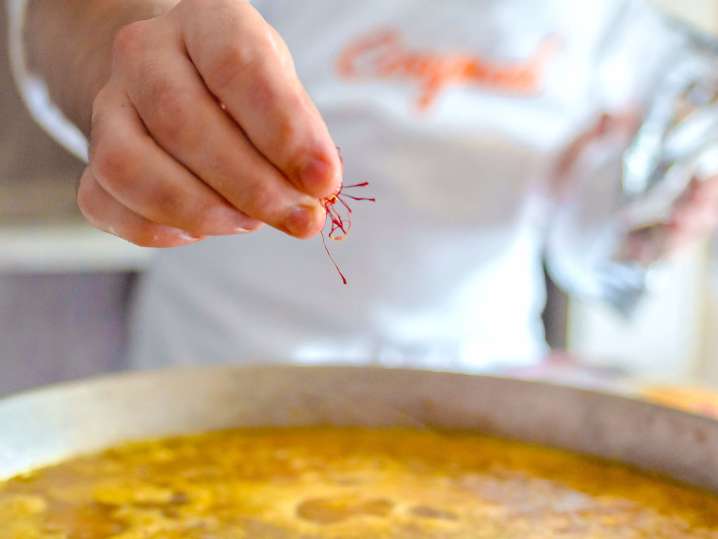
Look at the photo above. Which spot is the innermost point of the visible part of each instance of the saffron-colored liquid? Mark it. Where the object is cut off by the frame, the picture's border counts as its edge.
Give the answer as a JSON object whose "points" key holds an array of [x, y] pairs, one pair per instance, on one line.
{"points": [[314, 483]]}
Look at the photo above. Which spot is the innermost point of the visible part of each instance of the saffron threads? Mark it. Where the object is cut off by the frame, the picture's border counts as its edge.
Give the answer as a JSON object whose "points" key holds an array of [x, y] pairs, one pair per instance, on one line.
{"points": [[339, 218]]}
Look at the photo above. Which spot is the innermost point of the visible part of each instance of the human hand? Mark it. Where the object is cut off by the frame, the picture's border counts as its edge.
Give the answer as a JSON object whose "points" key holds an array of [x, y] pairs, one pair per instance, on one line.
{"points": [[205, 129], [692, 217], [695, 214]]}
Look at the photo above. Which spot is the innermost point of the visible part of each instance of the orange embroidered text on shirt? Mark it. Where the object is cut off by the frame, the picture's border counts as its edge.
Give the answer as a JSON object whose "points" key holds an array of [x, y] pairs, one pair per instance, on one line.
{"points": [[384, 55]]}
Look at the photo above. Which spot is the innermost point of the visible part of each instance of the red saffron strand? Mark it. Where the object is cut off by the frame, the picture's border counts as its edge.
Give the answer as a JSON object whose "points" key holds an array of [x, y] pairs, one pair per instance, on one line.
{"points": [[370, 199], [338, 223], [329, 254]]}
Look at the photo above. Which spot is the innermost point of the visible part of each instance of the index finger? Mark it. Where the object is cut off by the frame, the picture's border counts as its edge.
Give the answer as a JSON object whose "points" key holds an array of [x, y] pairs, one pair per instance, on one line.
{"points": [[247, 66]]}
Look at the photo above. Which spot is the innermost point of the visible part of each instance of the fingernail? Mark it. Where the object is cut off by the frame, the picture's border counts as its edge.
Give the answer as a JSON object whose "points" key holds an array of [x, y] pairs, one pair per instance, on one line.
{"points": [[300, 220], [184, 236]]}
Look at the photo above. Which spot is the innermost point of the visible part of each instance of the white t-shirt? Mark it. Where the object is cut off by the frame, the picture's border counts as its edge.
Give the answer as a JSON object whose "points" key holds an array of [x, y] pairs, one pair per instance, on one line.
{"points": [[455, 113]]}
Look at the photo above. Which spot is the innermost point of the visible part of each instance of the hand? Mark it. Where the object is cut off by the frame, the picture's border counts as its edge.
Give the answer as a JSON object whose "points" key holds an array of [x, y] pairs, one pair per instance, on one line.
{"points": [[204, 129], [693, 217], [695, 214]]}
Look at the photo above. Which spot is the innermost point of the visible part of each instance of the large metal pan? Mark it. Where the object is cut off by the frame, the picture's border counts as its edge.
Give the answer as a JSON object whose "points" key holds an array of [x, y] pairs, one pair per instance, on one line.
{"points": [[48, 425]]}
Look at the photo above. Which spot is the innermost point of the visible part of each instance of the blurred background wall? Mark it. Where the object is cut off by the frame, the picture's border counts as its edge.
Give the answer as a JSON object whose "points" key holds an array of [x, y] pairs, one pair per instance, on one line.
{"points": [[63, 288]]}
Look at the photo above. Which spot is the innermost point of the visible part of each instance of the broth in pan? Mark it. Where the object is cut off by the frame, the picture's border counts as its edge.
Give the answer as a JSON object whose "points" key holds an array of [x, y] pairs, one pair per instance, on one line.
{"points": [[316, 483]]}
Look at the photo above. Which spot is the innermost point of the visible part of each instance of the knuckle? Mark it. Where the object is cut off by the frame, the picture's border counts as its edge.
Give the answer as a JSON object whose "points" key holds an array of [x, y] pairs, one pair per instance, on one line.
{"points": [[128, 41], [231, 61], [266, 95], [112, 162], [293, 135], [86, 200], [170, 205], [288, 133], [101, 102], [170, 111], [289, 129], [262, 200]]}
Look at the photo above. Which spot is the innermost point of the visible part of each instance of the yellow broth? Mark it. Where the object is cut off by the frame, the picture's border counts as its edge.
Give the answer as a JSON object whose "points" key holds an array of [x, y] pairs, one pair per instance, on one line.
{"points": [[312, 483]]}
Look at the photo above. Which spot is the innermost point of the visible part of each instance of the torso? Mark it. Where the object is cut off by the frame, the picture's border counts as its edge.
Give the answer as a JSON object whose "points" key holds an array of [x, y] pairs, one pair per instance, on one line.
{"points": [[454, 112]]}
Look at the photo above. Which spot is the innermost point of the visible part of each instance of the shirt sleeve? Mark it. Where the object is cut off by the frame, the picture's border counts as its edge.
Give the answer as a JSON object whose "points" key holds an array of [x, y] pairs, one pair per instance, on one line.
{"points": [[33, 89]]}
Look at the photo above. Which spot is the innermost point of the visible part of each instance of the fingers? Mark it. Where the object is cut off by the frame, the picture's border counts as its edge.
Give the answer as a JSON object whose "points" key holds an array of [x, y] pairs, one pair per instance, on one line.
{"points": [[694, 217], [698, 208], [254, 77], [215, 146], [106, 213], [133, 169], [696, 213], [188, 123]]}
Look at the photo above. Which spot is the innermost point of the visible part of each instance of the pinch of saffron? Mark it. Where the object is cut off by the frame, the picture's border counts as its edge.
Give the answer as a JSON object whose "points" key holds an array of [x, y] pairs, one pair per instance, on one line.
{"points": [[339, 225]]}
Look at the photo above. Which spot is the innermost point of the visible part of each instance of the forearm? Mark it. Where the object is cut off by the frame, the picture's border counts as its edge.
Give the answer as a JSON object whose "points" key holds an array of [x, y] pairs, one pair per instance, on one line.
{"points": [[69, 44]]}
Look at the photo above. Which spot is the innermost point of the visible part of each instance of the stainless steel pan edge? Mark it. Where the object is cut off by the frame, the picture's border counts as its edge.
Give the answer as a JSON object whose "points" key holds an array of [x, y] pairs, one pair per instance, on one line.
{"points": [[47, 425]]}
